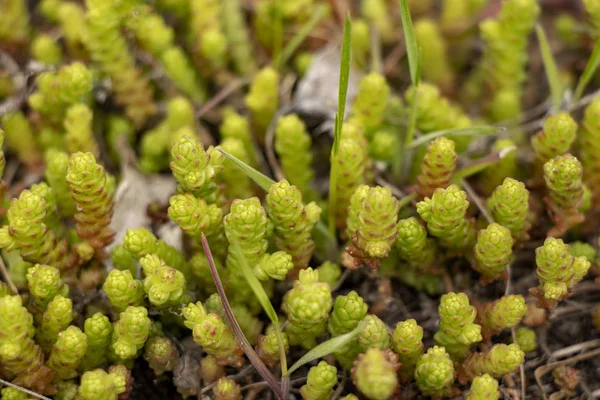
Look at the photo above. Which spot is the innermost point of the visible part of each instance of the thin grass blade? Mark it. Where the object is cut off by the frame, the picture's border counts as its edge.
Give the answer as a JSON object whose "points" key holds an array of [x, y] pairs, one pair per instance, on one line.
{"points": [[481, 164], [556, 87], [327, 347], [588, 73], [343, 85], [320, 12], [471, 131], [412, 48]]}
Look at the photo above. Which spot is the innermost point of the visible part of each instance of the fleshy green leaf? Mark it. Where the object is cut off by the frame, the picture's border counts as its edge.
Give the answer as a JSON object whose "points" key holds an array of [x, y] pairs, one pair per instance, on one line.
{"points": [[327, 347], [588, 73], [471, 131], [556, 88]]}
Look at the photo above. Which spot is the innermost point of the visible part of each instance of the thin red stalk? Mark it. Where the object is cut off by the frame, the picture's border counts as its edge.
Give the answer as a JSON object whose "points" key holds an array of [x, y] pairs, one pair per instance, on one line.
{"points": [[235, 327]]}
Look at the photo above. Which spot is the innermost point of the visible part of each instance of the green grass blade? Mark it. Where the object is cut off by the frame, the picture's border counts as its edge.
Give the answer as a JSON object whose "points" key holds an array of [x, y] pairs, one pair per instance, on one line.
{"points": [[339, 120], [258, 177], [263, 298], [412, 49], [343, 86], [327, 347], [588, 73], [471, 131], [481, 164], [556, 88], [320, 12]]}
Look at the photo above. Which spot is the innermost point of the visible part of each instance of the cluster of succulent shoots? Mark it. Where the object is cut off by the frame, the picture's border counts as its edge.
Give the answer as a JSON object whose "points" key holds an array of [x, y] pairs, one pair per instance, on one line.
{"points": [[242, 260]]}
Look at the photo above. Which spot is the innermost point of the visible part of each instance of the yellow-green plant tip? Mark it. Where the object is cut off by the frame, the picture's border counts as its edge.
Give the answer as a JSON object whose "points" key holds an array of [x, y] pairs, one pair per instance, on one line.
{"points": [[457, 330], [509, 206], [435, 63], [267, 346], [583, 249], [57, 163], [329, 273], [217, 339], [161, 354], [484, 387], [445, 215], [181, 72], [19, 136], [503, 313], [193, 168], [348, 311], [374, 334], [293, 146], [107, 47], [237, 184], [374, 373], [505, 57], [46, 50], [293, 221], [275, 266], [526, 339], [10, 393], [246, 224], [502, 359], [263, 98], [377, 13], [44, 283], [436, 113], [307, 306], [493, 251], [556, 138], [22, 359], [123, 290], [164, 286], [370, 102], [554, 269], [130, 332], [434, 372], [372, 222], [140, 242], [87, 180], [563, 176], [589, 137], [407, 342], [382, 145], [319, 382], [68, 352], [413, 245], [227, 389], [191, 214], [97, 385], [57, 317], [58, 90], [351, 163], [98, 331], [122, 259], [78, 126]]}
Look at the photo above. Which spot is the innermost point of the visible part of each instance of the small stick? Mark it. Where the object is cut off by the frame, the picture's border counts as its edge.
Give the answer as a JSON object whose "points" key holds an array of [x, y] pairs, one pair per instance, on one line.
{"points": [[29, 392]]}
